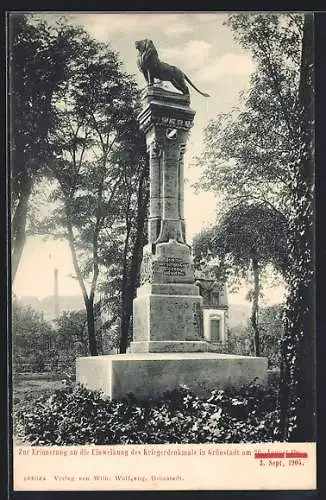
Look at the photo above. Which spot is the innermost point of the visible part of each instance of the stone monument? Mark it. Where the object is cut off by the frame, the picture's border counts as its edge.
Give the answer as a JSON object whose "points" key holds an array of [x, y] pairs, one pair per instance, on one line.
{"points": [[167, 307], [168, 347]]}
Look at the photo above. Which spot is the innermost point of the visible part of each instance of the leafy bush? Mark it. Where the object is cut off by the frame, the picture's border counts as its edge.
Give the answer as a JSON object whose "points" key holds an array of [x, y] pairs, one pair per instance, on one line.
{"points": [[32, 337], [75, 415], [271, 329]]}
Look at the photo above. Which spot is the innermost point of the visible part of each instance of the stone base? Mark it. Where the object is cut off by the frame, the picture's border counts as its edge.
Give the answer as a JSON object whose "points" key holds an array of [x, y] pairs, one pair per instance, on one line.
{"points": [[166, 317], [168, 346], [151, 375], [175, 346]]}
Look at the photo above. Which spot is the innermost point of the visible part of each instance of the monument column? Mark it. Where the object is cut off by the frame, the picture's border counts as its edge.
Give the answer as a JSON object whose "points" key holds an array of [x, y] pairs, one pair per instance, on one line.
{"points": [[167, 306], [171, 187], [155, 175]]}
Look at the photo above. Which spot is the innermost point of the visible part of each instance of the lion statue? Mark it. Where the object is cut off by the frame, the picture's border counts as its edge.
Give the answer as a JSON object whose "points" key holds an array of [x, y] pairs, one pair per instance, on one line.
{"points": [[152, 67]]}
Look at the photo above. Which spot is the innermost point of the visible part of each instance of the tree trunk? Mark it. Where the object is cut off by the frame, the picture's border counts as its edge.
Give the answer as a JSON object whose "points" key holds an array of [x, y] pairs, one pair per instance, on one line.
{"points": [[255, 302], [125, 324], [306, 410], [132, 278], [124, 314], [18, 228], [83, 338], [91, 327], [88, 301], [297, 383], [130, 289]]}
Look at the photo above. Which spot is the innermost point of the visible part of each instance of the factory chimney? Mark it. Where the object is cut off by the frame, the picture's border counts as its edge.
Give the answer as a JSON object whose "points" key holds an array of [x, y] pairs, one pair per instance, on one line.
{"points": [[56, 294]]}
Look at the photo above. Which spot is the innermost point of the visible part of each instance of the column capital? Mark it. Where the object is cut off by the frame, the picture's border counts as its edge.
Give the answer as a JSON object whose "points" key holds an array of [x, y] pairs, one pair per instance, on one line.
{"points": [[165, 112]]}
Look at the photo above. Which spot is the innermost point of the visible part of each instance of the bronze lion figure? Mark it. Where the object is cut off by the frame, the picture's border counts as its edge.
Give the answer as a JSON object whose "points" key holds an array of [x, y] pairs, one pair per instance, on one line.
{"points": [[152, 67]]}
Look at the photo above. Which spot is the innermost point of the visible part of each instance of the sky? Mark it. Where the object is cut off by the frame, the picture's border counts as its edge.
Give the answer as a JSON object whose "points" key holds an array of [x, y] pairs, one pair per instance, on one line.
{"points": [[205, 50]]}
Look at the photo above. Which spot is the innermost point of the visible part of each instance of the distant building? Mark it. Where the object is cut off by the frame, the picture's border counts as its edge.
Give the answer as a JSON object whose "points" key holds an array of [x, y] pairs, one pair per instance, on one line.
{"points": [[215, 309]]}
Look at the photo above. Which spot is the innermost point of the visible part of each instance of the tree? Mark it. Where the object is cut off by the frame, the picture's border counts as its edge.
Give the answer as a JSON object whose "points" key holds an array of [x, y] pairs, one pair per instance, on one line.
{"points": [[123, 260], [98, 151], [71, 331], [71, 341], [135, 217], [265, 152], [298, 377], [246, 240], [272, 331], [38, 65], [249, 152], [32, 339]]}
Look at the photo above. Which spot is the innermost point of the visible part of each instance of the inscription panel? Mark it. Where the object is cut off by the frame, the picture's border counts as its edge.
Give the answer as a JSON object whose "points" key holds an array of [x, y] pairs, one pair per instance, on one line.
{"points": [[166, 270], [172, 266], [173, 270]]}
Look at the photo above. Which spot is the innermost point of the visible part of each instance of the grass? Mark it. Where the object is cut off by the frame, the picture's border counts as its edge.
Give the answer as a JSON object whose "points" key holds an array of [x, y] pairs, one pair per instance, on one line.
{"points": [[32, 389], [35, 385]]}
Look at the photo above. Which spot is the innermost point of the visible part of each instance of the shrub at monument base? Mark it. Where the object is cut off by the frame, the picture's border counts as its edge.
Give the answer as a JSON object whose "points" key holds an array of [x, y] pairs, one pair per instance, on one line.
{"points": [[74, 415]]}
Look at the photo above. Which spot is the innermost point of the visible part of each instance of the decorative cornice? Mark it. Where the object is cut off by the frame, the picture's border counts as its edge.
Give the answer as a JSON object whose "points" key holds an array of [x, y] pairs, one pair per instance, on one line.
{"points": [[164, 122], [152, 92], [162, 114]]}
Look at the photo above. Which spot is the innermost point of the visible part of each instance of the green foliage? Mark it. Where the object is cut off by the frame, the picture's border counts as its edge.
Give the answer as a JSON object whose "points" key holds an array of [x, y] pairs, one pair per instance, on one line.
{"points": [[271, 325], [271, 332], [99, 173], [264, 151], [75, 415], [74, 112], [71, 342], [71, 331], [247, 239], [298, 376], [39, 57], [249, 152], [39, 345], [243, 231], [239, 341], [32, 339]]}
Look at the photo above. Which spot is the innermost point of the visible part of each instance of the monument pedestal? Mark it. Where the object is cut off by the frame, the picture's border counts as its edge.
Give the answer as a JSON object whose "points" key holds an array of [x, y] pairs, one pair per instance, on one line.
{"points": [[167, 307], [168, 348], [149, 376]]}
